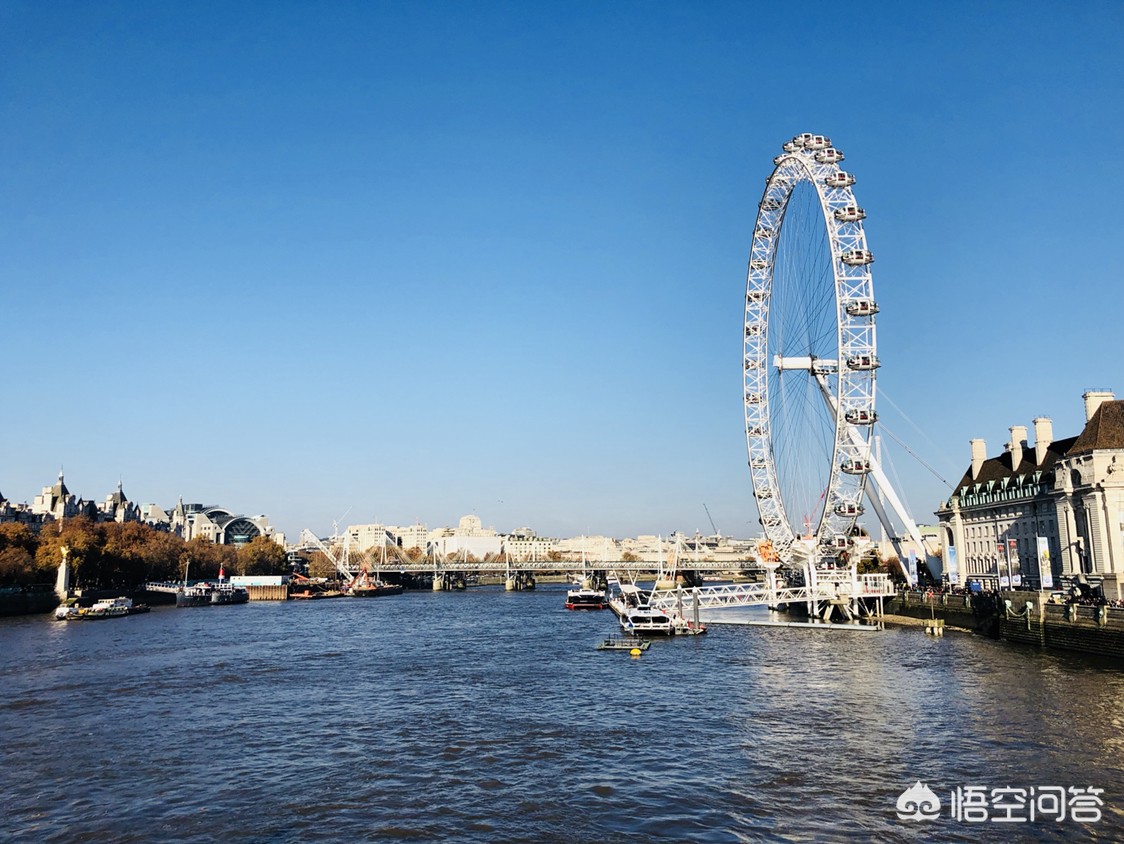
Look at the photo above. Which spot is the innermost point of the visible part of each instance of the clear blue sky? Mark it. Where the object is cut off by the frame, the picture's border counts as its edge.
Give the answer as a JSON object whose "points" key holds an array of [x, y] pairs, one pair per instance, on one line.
{"points": [[426, 259]]}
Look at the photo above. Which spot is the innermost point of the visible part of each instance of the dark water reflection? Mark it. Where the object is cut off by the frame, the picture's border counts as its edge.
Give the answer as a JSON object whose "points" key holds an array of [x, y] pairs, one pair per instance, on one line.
{"points": [[484, 716]]}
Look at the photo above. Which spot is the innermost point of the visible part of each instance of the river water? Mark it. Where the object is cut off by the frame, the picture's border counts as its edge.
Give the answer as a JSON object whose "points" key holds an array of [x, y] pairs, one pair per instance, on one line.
{"points": [[485, 716]]}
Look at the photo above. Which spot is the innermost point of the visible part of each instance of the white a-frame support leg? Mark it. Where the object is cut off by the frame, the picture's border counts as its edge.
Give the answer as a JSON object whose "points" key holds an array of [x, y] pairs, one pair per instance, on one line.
{"points": [[885, 491]]}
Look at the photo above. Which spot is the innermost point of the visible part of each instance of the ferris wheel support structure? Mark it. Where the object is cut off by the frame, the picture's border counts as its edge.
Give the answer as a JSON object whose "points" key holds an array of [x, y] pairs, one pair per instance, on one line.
{"points": [[884, 489]]}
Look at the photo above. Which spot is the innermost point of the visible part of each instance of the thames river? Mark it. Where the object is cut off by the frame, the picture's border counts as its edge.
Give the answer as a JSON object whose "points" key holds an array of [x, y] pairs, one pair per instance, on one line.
{"points": [[485, 716]]}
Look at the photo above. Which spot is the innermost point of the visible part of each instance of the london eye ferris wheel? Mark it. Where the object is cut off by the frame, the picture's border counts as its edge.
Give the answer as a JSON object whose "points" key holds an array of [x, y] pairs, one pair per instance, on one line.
{"points": [[810, 357]]}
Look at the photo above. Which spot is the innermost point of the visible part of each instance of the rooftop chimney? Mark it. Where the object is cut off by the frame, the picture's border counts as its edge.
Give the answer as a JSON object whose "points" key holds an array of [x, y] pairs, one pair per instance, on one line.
{"points": [[1043, 436], [979, 455], [1017, 444], [1094, 399]]}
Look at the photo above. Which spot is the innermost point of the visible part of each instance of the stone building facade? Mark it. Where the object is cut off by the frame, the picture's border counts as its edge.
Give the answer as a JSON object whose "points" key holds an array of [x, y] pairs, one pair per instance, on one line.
{"points": [[1034, 515]]}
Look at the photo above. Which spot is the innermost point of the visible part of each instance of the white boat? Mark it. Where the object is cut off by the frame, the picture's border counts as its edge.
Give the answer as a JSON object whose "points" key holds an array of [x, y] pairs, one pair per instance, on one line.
{"points": [[628, 598], [644, 621], [584, 598], [108, 608], [637, 618]]}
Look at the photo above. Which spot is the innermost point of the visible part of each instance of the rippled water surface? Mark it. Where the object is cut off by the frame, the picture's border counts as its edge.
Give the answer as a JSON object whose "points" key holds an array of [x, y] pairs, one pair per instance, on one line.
{"points": [[485, 716]]}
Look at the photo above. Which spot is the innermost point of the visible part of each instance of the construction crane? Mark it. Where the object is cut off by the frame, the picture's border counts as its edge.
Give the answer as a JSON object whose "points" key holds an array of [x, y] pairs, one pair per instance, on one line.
{"points": [[713, 526]]}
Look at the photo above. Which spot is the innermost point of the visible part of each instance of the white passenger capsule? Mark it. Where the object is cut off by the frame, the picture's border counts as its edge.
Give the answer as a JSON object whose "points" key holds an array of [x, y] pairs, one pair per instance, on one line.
{"points": [[862, 362], [862, 307], [839, 180], [829, 156], [817, 142], [855, 466], [850, 214], [857, 257], [860, 416]]}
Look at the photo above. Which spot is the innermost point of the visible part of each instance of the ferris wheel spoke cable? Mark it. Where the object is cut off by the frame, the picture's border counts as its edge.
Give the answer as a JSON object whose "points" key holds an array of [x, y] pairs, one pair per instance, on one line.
{"points": [[882, 429], [807, 442], [897, 480], [882, 392]]}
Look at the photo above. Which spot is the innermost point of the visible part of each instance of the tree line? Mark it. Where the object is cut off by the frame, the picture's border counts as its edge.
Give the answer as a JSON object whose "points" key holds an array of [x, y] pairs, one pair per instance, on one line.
{"points": [[113, 554]]}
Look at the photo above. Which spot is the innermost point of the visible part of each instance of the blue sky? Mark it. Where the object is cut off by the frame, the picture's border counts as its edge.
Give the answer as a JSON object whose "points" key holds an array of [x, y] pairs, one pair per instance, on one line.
{"points": [[418, 260]]}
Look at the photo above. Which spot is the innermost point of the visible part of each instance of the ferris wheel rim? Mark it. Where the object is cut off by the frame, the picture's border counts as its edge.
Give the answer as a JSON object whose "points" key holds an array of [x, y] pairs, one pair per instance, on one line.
{"points": [[811, 158]]}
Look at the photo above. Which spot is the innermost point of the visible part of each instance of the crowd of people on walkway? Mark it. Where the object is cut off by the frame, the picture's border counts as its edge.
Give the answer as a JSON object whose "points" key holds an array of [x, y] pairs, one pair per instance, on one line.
{"points": [[1081, 594]]}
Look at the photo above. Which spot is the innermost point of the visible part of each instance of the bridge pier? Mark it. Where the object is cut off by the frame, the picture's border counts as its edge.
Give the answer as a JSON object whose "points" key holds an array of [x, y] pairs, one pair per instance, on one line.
{"points": [[446, 581], [519, 581], [595, 580]]}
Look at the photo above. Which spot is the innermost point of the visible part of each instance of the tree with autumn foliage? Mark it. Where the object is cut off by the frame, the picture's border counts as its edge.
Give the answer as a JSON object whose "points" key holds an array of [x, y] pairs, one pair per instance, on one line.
{"points": [[84, 540], [320, 567], [18, 563], [203, 559], [262, 555]]}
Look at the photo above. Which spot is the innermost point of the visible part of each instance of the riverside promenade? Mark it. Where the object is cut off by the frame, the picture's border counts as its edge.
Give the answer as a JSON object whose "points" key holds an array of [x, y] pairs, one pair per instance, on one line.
{"points": [[1017, 616]]}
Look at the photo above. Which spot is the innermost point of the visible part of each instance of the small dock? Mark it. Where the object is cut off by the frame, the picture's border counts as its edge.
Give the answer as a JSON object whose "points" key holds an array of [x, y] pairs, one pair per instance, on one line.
{"points": [[851, 627]]}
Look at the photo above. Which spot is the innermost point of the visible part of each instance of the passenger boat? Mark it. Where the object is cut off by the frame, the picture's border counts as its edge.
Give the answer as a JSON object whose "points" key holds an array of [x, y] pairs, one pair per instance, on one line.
{"points": [[66, 612], [197, 595], [108, 608], [628, 598], [225, 593], [586, 599], [637, 617], [205, 594], [211, 594], [624, 643], [648, 622]]}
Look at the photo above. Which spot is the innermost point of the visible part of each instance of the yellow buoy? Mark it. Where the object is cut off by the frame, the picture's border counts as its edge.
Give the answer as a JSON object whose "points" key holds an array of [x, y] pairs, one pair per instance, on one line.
{"points": [[635, 652]]}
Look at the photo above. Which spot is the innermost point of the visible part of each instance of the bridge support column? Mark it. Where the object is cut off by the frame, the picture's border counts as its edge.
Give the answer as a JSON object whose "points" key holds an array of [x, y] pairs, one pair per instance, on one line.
{"points": [[520, 581]]}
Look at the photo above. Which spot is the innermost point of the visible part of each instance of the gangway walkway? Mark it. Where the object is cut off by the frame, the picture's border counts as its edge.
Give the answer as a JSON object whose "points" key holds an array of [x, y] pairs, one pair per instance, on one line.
{"points": [[839, 586]]}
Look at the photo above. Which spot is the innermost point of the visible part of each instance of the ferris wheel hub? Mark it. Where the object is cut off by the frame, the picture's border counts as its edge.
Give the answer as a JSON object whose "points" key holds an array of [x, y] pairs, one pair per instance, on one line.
{"points": [[806, 363]]}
